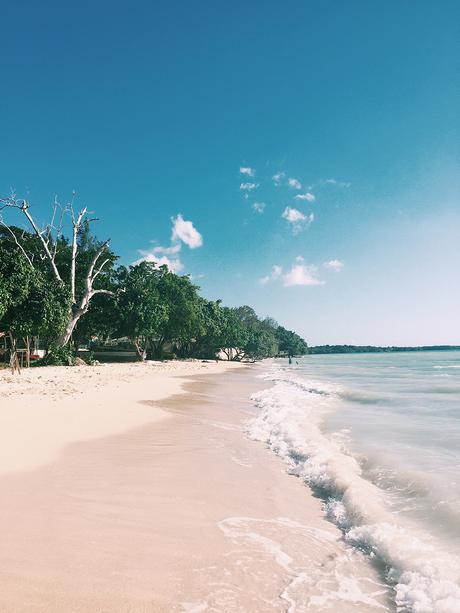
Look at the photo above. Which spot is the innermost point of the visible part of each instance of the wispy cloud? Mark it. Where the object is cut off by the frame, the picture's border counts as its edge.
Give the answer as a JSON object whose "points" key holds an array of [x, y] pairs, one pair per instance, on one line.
{"points": [[173, 249], [297, 219], [294, 183], [275, 273], [338, 183], [335, 265], [301, 274], [278, 177], [186, 232], [247, 170], [248, 186], [308, 196], [259, 207]]}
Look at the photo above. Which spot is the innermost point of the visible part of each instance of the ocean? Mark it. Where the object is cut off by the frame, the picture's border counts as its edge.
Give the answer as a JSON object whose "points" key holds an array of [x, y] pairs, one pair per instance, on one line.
{"points": [[377, 437]]}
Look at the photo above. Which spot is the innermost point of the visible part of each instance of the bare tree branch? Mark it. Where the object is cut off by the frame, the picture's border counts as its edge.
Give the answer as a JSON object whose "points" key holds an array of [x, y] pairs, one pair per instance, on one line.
{"points": [[76, 227], [17, 242], [46, 239], [51, 225], [23, 206], [90, 273], [59, 230], [99, 270], [102, 291]]}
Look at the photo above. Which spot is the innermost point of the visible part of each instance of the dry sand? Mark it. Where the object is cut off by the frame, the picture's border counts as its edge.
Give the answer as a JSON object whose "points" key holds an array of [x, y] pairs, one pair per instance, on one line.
{"points": [[132, 488]]}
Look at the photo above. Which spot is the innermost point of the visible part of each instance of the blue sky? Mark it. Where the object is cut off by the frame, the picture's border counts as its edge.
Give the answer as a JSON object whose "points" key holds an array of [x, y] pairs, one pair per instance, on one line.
{"points": [[149, 110]]}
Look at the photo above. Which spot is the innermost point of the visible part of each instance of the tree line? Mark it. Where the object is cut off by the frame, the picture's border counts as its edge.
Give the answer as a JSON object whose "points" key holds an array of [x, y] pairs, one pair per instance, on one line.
{"points": [[69, 289], [323, 349]]}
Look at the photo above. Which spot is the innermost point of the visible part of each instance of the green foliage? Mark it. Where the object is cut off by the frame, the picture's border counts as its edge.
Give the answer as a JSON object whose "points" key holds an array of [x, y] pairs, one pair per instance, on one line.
{"points": [[31, 303], [244, 335], [57, 297], [183, 314], [140, 308], [160, 312], [57, 356], [207, 342], [290, 343], [321, 349], [234, 334]]}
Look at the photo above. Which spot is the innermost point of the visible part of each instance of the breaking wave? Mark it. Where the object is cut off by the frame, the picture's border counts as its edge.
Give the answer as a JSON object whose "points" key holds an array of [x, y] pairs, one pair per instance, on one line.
{"points": [[425, 577]]}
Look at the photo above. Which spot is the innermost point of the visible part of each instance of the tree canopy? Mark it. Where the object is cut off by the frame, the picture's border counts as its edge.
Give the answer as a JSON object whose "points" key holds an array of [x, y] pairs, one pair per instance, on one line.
{"points": [[68, 291]]}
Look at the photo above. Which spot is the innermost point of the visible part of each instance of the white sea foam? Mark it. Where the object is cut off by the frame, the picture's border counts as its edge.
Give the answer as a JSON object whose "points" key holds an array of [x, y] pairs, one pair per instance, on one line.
{"points": [[425, 578], [326, 586]]}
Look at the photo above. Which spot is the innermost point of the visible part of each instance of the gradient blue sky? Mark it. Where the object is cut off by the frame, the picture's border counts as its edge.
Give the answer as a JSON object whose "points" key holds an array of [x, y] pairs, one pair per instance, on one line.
{"points": [[150, 109]]}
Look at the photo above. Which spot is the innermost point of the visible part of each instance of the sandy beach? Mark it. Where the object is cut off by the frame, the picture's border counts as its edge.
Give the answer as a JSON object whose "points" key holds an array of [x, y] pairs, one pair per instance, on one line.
{"points": [[133, 488]]}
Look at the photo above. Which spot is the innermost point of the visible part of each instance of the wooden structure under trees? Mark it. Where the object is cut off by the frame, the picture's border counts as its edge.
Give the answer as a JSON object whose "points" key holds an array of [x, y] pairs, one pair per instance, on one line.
{"points": [[17, 357]]}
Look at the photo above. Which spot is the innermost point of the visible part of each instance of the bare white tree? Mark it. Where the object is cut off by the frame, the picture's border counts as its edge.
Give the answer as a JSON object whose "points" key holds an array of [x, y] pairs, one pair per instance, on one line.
{"points": [[48, 244]]}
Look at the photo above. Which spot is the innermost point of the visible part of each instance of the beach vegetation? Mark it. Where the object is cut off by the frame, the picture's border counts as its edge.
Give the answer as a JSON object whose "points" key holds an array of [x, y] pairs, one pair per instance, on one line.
{"points": [[68, 292]]}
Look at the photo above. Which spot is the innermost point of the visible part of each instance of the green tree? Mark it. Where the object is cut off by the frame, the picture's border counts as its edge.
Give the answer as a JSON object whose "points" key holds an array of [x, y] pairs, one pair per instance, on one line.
{"points": [[31, 304], [290, 343], [234, 334], [77, 264], [208, 339], [183, 321], [142, 311]]}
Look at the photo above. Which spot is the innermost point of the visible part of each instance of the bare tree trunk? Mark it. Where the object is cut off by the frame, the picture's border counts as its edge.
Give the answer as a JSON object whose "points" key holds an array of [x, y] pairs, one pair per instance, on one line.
{"points": [[76, 310], [76, 227], [14, 360], [27, 352], [140, 353], [76, 313], [68, 330]]}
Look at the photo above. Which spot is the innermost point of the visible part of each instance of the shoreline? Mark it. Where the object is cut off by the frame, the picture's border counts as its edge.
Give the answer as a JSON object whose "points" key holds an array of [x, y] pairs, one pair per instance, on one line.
{"points": [[180, 513]]}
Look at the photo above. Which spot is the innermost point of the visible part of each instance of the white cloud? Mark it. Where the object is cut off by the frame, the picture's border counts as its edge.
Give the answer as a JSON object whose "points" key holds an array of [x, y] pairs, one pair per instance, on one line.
{"points": [[294, 183], [159, 255], [275, 273], [309, 197], [301, 274], [182, 232], [277, 178], [186, 232], [297, 219], [259, 207], [249, 186], [173, 249], [335, 265], [338, 183], [247, 170], [174, 265], [293, 215]]}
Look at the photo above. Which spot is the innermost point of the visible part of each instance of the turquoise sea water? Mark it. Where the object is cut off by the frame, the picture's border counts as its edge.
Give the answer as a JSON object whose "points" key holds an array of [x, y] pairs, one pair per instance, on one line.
{"points": [[378, 437]]}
